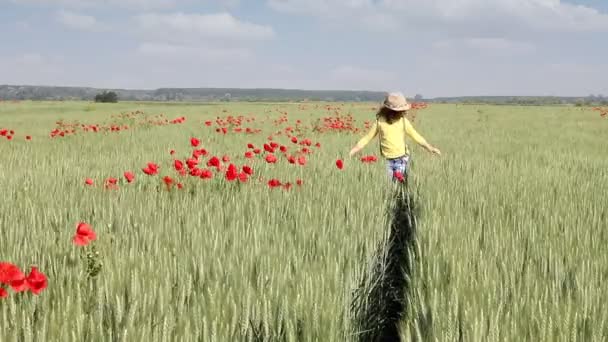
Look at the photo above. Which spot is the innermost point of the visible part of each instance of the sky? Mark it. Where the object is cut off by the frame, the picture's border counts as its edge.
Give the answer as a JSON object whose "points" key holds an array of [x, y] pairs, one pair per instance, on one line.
{"points": [[429, 47]]}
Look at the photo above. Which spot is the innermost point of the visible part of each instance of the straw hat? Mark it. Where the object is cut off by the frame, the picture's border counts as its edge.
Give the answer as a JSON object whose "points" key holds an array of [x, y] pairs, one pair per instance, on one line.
{"points": [[396, 102]]}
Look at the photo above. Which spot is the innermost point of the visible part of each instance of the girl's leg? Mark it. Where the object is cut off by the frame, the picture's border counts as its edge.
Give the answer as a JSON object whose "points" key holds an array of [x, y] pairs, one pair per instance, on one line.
{"points": [[396, 169]]}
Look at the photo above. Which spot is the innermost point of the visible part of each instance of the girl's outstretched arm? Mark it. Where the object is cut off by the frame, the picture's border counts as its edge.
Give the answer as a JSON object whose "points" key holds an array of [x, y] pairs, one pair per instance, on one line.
{"points": [[409, 129], [365, 140]]}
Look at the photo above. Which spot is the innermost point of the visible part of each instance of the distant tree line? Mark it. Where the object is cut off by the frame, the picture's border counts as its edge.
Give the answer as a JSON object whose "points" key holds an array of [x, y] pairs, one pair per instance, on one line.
{"points": [[106, 97]]}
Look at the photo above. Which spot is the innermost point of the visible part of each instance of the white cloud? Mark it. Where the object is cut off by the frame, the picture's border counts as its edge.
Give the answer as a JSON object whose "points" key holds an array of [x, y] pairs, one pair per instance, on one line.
{"points": [[360, 78], [190, 28], [499, 15], [194, 54], [131, 4], [497, 46], [78, 21]]}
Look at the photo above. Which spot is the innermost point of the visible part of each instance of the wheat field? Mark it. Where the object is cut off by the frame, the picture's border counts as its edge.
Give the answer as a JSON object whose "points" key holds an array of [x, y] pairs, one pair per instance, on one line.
{"points": [[511, 232]]}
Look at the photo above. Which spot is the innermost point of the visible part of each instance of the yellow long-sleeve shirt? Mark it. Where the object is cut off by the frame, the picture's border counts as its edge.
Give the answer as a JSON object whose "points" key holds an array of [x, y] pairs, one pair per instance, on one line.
{"points": [[392, 137]]}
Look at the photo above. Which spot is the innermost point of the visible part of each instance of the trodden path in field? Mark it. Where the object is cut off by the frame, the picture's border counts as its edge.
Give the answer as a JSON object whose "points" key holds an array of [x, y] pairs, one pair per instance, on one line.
{"points": [[382, 299]]}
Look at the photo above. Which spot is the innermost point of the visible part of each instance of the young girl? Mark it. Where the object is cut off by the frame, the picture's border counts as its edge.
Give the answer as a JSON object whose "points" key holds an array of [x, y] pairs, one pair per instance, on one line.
{"points": [[392, 126]]}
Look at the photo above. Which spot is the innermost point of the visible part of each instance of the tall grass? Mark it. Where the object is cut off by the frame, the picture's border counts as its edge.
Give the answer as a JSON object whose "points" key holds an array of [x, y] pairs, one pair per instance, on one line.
{"points": [[511, 237]]}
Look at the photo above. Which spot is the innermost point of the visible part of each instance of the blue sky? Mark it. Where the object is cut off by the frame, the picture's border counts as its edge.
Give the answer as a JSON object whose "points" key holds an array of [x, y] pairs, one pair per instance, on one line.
{"points": [[432, 47]]}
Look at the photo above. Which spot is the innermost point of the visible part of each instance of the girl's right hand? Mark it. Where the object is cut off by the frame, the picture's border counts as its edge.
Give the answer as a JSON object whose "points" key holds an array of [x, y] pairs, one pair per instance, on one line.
{"points": [[435, 150]]}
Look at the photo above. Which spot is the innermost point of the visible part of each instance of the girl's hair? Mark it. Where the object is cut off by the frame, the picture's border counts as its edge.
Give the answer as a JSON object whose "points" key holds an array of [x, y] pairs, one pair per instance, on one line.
{"points": [[389, 115]]}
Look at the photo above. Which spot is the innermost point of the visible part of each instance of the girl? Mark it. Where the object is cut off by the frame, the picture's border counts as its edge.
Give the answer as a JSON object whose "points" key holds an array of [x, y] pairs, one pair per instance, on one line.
{"points": [[392, 126]]}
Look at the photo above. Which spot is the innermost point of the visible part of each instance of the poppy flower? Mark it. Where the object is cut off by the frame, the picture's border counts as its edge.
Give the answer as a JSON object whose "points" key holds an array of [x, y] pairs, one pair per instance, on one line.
{"points": [[225, 159], [88, 181], [339, 164], [111, 183], [36, 281], [3, 293], [9, 137], [299, 182], [231, 173], [168, 181], [249, 154], [178, 165], [172, 152], [84, 234], [302, 160], [248, 170], [250, 145], [198, 153], [180, 186], [10, 273], [214, 161], [208, 123], [291, 159], [194, 142], [243, 177], [191, 162], [196, 172], [151, 169], [270, 158], [129, 176], [398, 176], [28, 137], [206, 174], [257, 151], [273, 183], [294, 140], [268, 148]]}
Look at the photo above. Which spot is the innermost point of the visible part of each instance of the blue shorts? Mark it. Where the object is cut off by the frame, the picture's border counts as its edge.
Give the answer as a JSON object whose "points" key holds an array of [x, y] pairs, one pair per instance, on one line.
{"points": [[397, 166]]}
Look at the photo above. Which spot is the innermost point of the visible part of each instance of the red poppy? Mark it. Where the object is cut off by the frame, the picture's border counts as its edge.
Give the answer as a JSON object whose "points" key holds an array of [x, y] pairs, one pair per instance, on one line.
{"points": [[339, 164], [10, 274], [206, 174], [231, 173], [249, 154], [196, 172], [243, 177], [179, 165], [84, 234], [194, 142], [399, 176], [168, 181], [250, 145], [318, 145], [291, 159], [225, 159], [3, 293], [273, 183], [172, 152], [299, 182], [36, 281], [180, 186], [28, 137], [191, 162], [302, 160], [268, 148], [129, 176], [214, 161], [88, 181], [248, 170], [369, 159], [294, 140], [151, 169], [9, 137], [198, 153], [257, 151], [208, 123], [270, 158]]}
